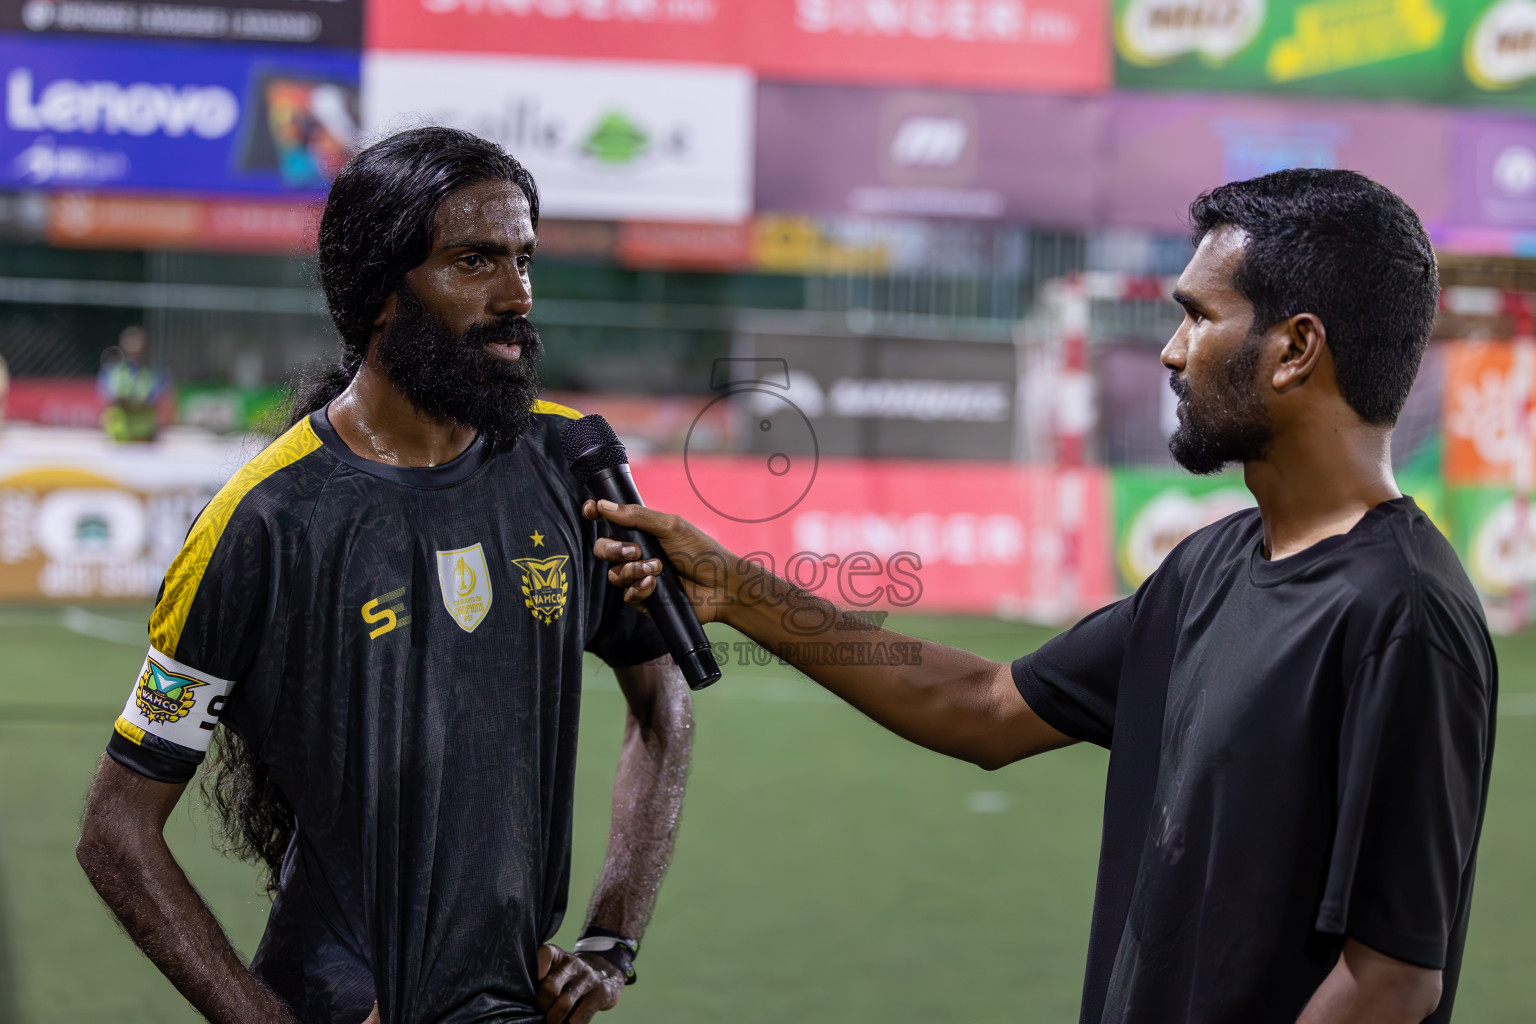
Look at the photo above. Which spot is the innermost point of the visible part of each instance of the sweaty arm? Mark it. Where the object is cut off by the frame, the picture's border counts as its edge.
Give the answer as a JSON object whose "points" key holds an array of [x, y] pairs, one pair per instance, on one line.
{"points": [[947, 700], [647, 802], [123, 851]]}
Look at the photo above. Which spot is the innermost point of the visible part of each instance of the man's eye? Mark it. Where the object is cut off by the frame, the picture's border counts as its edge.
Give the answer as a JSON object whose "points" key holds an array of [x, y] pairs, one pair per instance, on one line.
{"points": [[524, 262], [472, 260]]}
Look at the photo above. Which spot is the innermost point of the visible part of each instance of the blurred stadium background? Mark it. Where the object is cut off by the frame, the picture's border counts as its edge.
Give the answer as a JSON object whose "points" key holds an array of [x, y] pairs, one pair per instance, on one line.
{"points": [[874, 286]]}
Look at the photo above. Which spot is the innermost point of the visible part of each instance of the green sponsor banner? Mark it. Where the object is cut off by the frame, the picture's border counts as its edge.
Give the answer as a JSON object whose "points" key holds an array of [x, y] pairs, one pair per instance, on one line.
{"points": [[1154, 509], [1497, 60], [224, 409], [1496, 539], [1453, 51]]}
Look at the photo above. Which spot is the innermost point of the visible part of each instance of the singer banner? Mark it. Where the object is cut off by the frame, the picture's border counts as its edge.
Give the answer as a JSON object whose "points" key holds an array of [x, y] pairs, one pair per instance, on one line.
{"points": [[928, 537], [1048, 45]]}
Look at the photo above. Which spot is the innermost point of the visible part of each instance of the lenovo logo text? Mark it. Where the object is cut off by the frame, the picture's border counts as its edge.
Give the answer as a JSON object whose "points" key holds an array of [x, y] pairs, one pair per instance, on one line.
{"points": [[140, 108]]}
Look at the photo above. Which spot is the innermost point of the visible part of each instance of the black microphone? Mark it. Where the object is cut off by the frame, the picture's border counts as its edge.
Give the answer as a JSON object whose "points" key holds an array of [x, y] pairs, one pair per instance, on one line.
{"points": [[599, 460]]}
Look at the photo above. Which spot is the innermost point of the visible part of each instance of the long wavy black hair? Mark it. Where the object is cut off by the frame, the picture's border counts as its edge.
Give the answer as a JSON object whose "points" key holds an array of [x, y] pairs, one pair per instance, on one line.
{"points": [[376, 227]]}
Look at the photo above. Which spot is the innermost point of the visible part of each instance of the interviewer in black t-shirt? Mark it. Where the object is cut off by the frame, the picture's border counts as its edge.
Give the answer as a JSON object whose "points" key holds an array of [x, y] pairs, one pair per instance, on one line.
{"points": [[1298, 704]]}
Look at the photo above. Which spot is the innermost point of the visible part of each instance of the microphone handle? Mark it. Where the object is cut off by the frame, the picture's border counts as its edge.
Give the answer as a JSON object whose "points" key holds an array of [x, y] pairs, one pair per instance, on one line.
{"points": [[668, 605]]}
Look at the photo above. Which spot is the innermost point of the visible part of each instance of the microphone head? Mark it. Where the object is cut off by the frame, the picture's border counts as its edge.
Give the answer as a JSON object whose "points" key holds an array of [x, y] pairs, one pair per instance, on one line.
{"points": [[591, 446]]}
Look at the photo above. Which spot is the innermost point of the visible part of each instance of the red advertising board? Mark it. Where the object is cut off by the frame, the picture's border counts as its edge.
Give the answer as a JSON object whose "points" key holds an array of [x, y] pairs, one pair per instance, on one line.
{"points": [[1013, 44], [987, 538], [95, 220]]}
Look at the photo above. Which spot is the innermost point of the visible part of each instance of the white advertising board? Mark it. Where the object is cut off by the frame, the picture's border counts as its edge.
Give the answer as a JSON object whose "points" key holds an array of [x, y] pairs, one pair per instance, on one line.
{"points": [[604, 140], [82, 518]]}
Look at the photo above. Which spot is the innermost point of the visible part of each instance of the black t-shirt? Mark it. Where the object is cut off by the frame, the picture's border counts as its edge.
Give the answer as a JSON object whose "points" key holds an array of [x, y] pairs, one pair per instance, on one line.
{"points": [[402, 649], [1299, 751]]}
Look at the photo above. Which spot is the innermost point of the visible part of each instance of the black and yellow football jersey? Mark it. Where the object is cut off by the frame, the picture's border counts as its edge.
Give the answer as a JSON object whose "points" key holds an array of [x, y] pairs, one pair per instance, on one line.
{"points": [[402, 648]]}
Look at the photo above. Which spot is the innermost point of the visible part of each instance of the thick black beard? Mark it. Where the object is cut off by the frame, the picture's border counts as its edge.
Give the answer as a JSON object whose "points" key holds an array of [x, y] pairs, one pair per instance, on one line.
{"points": [[456, 379], [1230, 424]]}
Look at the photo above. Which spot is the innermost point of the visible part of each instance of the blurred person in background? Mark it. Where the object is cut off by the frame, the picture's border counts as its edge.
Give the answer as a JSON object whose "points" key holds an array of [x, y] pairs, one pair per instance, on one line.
{"points": [[1299, 704], [387, 610], [130, 388]]}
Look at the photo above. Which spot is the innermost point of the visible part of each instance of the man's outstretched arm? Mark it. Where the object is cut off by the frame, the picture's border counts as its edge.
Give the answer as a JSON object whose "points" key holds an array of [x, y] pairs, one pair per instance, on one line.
{"points": [[948, 700], [647, 802], [122, 849]]}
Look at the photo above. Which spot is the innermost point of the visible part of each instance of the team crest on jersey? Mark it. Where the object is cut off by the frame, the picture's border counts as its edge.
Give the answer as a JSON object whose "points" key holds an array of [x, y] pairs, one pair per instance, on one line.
{"points": [[466, 585], [163, 695], [545, 586]]}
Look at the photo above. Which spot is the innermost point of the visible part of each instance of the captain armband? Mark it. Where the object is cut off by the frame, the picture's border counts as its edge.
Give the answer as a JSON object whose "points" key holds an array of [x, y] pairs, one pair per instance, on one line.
{"points": [[168, 722]]}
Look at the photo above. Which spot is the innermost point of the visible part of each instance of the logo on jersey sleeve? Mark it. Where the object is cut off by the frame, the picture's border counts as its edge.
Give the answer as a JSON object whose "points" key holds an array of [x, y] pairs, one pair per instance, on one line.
{"points": [[174, 702], [163, 695], [466, 585], [545, 586]]}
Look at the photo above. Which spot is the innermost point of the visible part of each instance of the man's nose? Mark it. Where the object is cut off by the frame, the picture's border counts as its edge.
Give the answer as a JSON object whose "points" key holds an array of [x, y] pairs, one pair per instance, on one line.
{"points": [[1174, 352], [512, 294]]}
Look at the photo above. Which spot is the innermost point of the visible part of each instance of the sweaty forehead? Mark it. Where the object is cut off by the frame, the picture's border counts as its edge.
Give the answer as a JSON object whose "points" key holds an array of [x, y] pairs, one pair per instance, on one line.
{"points": [[1209, 274], [490, 210]]}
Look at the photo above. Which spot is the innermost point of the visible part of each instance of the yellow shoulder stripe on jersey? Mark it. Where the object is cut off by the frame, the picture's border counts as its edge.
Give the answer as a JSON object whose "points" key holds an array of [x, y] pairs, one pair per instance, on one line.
{"points": [[555, 409], [186, 572], [128, 731]]}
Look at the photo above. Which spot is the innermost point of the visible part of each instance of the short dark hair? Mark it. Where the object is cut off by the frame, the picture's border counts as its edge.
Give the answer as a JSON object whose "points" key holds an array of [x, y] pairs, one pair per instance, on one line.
{"points": [[378, 218], [1341, 246]]}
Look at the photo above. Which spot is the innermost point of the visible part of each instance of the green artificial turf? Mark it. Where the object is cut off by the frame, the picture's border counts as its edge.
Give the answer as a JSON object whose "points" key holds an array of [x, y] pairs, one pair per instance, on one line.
{"points": [[826, 871]]}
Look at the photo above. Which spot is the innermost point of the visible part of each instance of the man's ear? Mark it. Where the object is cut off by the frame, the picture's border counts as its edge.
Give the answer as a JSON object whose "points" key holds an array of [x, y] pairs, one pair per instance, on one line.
{"points": [[386, 312], [1304, 339]]}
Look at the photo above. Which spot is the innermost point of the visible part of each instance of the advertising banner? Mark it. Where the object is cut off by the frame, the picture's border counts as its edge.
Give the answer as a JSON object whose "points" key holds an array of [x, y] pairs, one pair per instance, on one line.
{"points": [[1045, 45], [806, 387], [1498, 53], [336, 23], [1490, 396], [603, 140], [88, 113], [1165, 150], [944, 154], [82, 518], [1387, 48], [1155, 509], [1495, 535], [1452, 51], [982, 538], [1494, 171], [96, 221]]}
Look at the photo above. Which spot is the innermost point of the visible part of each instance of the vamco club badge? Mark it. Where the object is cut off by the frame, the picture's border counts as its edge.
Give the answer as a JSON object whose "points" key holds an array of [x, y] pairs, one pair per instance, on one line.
{"points": [[545, 585], [466, 585]]}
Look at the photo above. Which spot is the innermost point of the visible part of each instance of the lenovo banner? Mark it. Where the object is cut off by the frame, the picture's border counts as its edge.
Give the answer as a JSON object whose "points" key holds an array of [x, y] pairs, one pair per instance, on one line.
{"points": [[1050, 45], [319, 22], [883, 152], [926, 537], [1165, 151], [86, 113], [604, 140]]}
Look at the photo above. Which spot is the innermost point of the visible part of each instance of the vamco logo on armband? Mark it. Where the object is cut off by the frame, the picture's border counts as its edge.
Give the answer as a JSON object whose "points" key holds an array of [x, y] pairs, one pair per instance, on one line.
{"points": [[164, 696]]}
